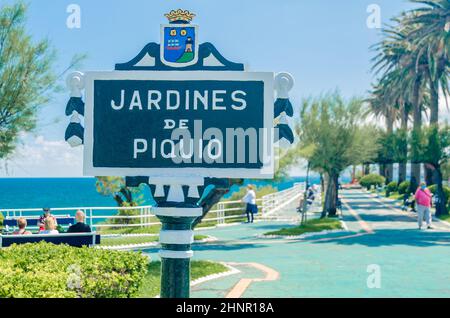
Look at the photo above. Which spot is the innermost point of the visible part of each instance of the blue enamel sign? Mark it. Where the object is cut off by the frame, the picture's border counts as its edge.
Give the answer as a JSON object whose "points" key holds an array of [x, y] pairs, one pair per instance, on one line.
{"points": [[179, 108], [217, 124]]}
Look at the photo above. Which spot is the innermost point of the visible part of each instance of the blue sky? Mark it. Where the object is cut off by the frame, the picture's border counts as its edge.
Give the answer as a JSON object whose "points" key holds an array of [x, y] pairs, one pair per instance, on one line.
{"points": [[323, 43]]}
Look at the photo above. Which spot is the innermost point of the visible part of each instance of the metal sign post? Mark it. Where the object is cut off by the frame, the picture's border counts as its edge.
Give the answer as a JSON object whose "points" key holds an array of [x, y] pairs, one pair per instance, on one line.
{"points": [[177, 117]]}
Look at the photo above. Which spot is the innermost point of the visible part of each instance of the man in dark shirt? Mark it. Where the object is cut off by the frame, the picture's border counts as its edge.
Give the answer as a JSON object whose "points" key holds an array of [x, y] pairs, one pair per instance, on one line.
{"points": [[80, 226]]}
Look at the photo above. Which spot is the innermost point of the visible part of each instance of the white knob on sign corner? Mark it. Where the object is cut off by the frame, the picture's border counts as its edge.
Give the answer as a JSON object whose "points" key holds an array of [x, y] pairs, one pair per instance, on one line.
{"points": [[283, 143], [284, 82], [75, 141], [75, 83]]}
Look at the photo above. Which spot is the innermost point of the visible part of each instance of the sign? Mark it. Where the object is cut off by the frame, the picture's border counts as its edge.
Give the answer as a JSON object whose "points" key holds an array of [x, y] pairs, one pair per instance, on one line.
{"points": [[211, 124], [179, 117]]}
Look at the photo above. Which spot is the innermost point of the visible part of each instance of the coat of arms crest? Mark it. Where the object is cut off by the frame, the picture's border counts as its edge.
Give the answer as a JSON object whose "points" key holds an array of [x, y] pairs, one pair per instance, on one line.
{"points": [[179, 44]]}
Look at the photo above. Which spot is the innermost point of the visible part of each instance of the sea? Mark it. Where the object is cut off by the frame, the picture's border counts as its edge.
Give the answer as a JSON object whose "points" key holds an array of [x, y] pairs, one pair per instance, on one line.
{"points": [[23, 193]]}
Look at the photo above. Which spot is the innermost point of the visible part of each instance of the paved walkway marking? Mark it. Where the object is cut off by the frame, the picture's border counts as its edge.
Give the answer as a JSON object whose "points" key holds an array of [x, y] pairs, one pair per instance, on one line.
{"points": [[244, 283], [391, 206], [361, 222]]}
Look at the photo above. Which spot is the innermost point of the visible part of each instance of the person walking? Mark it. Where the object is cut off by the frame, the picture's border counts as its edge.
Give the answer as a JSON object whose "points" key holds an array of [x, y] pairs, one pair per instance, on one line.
{"points": [[423, 205], [250, 200]]}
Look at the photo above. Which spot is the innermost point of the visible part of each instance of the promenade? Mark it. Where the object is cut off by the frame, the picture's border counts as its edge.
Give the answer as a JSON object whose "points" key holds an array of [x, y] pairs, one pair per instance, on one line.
{"points": [[412, 263]]}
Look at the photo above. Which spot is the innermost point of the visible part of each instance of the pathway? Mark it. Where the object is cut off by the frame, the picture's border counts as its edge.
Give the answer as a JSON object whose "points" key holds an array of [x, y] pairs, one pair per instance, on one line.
{"points": [[412, 263]]}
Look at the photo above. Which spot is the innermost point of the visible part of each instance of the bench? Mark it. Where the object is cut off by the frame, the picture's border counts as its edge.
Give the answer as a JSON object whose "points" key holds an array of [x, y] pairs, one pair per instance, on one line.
{"points": [[72, 239], [34, 221]]}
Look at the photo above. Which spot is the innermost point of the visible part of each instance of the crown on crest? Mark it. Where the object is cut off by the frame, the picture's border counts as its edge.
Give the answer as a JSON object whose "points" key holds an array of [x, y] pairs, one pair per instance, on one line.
{"points": [[180, 16]]}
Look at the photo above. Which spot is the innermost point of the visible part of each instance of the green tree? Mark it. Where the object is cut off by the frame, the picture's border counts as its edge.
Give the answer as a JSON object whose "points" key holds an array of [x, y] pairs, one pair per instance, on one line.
{"points": [[124, 196], [404, 70], [434, 151], [331, 139], [117, 189], [430, 34], [27, 79]]}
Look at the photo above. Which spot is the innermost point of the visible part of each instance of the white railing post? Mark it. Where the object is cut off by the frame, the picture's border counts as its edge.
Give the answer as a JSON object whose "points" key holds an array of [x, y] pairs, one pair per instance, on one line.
{"points": [[220, 213]]}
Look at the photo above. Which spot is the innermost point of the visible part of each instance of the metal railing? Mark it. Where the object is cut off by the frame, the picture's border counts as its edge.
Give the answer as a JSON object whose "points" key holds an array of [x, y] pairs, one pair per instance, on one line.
{"points": [[111, 217], [96, 217], [275, 202]]}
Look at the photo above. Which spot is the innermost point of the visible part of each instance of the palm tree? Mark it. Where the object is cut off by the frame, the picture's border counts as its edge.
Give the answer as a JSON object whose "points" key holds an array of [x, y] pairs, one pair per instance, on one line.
{"points": [[430, 34], [398, 63], [396, 108], [381, 105]]}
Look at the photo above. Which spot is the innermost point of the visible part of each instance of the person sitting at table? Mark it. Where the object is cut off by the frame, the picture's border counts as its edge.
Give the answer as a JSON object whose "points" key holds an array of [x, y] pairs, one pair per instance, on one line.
{"points": [[22, 224], [50, 226], [80, 226]]}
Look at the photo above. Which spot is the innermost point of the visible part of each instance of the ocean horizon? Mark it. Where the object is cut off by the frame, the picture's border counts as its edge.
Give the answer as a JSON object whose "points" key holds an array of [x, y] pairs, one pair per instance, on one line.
{"points": [[25, 193]]}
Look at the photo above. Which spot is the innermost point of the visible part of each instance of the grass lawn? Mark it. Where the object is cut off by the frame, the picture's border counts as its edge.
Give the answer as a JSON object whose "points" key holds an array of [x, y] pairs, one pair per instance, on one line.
{"points": [[445, 218], [214, 223], [151, 284], [113, 241], [396, 196], [316, 225], [153, 229]]}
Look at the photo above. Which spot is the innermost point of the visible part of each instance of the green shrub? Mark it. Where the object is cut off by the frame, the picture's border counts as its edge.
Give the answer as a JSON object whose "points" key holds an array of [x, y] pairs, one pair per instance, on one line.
{"points": [[391, 187], [433, 189], [403, 187], [1, 219], [371, 180], [43, 270]]}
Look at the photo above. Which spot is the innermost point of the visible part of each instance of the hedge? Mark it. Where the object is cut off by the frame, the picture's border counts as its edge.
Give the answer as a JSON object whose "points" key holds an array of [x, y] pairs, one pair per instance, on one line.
{"points": [[371, 180], [403, 187], [391, 187], [433, 189], [44, 270]]}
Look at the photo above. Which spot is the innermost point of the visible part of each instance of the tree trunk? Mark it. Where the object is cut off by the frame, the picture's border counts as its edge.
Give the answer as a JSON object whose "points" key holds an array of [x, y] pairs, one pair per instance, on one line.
{"points": [[389, 169], [322, 183], [434, 102], [382, 169], [434, 118], [403, 146], [417, 126], [441, 202], [401, 172], [331, 196], [366, 169], [429, 179]]}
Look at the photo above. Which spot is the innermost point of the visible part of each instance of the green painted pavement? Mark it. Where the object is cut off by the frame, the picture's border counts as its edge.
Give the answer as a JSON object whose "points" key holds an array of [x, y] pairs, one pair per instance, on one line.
{"points": [[413, 263]]}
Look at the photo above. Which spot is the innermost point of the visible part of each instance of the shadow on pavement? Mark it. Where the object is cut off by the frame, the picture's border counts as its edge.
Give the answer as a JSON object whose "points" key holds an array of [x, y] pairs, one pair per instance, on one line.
{"points": [[223, 246], [386, 218], [391, 237]]}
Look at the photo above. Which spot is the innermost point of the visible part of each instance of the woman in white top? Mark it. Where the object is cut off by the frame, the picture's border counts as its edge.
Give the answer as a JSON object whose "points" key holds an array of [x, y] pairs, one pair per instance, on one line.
{"points": [[50, 226], [250, 200]]}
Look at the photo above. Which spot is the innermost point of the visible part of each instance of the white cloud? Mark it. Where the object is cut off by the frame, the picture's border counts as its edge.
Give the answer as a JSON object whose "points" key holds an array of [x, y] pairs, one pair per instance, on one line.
{"points": [[40, 157]]}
